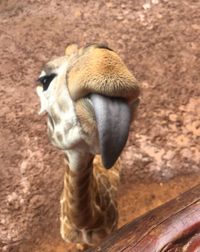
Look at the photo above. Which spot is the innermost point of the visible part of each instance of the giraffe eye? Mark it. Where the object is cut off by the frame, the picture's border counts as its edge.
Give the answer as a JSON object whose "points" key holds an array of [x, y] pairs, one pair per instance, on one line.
{"points": [[46, 80]]}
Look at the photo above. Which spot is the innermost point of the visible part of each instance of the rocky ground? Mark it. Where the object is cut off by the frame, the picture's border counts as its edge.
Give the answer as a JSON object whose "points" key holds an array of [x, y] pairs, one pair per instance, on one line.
{"points": [[159, 41]]}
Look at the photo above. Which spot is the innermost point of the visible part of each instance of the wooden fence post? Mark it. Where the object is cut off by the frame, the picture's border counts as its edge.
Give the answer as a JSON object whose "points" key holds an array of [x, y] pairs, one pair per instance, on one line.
{"points": [[172, 227]]}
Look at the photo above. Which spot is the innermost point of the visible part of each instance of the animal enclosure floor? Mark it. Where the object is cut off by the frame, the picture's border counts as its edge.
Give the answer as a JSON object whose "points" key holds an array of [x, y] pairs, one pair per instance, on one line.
{"points": [[159, 42]]}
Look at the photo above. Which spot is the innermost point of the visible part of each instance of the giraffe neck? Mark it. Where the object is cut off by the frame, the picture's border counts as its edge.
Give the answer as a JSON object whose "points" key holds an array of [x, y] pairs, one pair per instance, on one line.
{"points": [[80, 192]]}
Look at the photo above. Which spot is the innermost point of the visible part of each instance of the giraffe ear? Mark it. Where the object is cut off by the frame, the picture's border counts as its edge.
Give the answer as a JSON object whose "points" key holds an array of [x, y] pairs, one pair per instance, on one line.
{"points": [[113, 117], [71, 49]]}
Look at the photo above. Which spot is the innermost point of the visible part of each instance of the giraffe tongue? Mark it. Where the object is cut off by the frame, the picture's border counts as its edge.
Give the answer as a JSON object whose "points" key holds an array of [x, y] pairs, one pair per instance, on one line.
{"points": [[113, 117]]}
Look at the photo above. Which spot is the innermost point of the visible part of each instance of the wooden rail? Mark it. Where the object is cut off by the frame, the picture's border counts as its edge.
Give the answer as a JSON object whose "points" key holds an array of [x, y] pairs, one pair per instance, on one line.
{"points": [[172, 227]]}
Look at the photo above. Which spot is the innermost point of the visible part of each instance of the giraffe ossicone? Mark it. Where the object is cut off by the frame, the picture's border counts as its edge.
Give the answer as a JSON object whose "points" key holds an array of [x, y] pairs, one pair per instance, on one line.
{"points": [[88, 95]]}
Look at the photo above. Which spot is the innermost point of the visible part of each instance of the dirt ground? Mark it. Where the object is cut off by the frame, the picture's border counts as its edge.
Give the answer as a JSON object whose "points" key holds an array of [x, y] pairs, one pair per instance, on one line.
{"points": [[159, 41]]}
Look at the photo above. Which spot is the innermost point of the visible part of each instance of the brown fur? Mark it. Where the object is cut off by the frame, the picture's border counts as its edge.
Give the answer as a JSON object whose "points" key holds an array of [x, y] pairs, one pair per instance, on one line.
{"points": [[86, 116], [89, 202], [98, 70]]}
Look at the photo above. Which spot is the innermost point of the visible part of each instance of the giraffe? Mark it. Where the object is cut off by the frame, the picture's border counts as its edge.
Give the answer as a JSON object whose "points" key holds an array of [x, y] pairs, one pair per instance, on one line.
{"points": [[90, 98]]}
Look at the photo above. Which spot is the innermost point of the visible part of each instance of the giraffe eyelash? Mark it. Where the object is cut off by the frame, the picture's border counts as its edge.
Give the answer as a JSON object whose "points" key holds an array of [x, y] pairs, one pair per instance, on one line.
{"points": [[46, 80]]}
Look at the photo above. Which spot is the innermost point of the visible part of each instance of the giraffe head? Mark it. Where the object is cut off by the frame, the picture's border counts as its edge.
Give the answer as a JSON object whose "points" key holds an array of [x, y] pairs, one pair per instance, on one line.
{"points": [[89, 90]]}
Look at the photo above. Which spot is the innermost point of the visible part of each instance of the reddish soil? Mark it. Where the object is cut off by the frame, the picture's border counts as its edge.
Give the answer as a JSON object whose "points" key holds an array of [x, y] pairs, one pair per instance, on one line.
{"points": [[159, 41]]}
